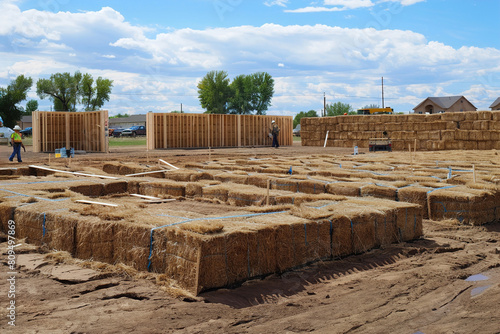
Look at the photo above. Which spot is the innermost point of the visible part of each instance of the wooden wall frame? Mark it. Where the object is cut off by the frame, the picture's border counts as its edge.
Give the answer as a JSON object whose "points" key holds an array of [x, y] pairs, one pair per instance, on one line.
{"points": [[86, 131], [171, 130]]}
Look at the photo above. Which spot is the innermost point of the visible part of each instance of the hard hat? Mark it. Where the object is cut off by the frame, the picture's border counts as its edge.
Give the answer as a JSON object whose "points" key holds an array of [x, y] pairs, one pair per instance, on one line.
{"points": [[17, 127], [273, 121]]}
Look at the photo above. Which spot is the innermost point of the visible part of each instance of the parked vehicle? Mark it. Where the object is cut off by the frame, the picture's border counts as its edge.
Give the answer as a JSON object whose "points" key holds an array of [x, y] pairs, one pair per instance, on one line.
{"points": [[116, 132], [27, 131], [296, 131], [138, 130]]}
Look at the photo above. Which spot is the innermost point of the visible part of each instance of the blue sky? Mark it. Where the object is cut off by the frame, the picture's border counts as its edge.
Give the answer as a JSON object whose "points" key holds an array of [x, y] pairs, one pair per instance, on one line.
{"points": [[157, 51]]}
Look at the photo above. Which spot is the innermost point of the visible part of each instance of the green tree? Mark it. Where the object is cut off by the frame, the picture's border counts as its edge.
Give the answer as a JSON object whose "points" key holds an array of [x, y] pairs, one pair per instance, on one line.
{"points": [[338, 108], [66, 91], [263, 85], [10, 97], [31, 106], [120, 115], [62, 88], [95, 95], [240, 101], [214, 92], [302, 114], [370, 106]]}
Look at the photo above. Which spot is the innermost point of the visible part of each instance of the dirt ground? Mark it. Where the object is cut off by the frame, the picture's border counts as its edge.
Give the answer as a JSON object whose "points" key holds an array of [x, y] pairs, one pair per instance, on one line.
{"points": [[446, 282]]}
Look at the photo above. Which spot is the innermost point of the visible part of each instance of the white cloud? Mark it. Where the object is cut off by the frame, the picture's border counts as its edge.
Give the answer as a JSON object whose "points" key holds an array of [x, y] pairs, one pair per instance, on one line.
{"points": [[281, 3], [349, 4], [405, 2]]}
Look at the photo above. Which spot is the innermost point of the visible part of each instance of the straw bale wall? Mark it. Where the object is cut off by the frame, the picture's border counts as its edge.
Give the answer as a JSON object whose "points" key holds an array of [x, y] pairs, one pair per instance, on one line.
{"points": [[474, 130], [167, 130]]}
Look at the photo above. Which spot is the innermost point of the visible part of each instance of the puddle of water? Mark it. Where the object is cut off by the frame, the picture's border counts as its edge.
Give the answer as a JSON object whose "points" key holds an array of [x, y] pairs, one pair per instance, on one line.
{"points": [[477, 278], [476, 291]]}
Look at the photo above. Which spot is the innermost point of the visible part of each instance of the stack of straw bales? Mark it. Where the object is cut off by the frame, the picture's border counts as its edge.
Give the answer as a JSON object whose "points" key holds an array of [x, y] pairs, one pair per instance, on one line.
{"points": [[473, 130]]}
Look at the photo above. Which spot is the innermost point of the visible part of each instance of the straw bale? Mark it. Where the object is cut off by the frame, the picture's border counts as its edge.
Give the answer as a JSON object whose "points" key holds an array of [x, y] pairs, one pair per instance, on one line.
{"points": [[471, 116], [94, 240], [131, 244], [435, 135], [432, 117], [286, 184], [311, 187], [495, 115], [115, 187], [88, 188], [452, 145], [219, 192], [258, 180], [239, 195], [384, 226], [212, 271], [380, 191], [231, 177], [363, 232], [6, 214], [134, 186], [415, 195], [112, 167], [180, 175], [237, 249], [311, 240], [408, 221], [453, 116], [341, 236], [484, 115], [131, 168], [484, 145], [170, 188], [345, 188], [176, 253], [452, 125], [262, 251], [194, 189], [448, 135]]}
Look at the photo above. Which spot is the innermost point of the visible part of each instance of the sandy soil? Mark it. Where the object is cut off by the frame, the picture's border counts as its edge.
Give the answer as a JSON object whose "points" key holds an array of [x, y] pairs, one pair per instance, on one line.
{"points": [[446, 282]]}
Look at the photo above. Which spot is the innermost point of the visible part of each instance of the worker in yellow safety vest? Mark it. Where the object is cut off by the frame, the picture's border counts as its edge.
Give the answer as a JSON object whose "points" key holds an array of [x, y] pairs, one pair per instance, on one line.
{"points": [[17, 142]]}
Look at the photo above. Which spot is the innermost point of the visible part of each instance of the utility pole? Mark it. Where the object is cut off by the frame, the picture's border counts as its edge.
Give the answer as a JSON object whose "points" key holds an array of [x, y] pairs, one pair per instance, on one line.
{"points": [[324, 104], [383, 106]]}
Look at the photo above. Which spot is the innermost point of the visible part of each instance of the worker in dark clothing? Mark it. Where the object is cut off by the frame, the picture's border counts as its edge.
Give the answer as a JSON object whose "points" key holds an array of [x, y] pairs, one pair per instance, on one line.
{"points": [[275, 130]]}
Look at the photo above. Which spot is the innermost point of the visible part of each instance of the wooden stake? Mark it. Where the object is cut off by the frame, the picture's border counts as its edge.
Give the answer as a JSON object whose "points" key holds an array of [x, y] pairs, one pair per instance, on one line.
{"points": [[209, 154], [411, 157], [429, 205], [474, 172], [326, 138], [267, 197], [49, 158]]}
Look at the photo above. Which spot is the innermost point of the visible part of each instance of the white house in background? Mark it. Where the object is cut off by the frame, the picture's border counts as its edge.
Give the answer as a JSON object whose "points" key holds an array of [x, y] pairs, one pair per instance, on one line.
{"points": [[434, 105], [495, 105]]}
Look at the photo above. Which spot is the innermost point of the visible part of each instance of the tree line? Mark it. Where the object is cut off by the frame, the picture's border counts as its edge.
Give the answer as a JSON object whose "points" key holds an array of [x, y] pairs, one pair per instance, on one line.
{"points": [[66, 91]]}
